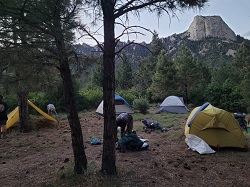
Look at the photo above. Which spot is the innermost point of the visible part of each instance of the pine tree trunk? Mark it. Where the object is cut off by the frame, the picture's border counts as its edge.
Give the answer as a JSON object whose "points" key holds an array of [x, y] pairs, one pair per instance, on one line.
{"points": [[23, 111], [109, 137], [73, 118]]}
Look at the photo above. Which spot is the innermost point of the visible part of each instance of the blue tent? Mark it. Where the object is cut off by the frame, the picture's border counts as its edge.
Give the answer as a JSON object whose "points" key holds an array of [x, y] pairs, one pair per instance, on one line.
{"points": [[121, 105]]}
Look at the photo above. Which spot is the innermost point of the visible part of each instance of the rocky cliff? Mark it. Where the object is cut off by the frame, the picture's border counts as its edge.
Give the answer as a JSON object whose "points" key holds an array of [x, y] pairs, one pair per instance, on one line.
{"points": [[208, 37], [209, 26]]}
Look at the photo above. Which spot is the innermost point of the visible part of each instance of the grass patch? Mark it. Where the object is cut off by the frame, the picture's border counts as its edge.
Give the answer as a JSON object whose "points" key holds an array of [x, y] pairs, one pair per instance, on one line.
{"points": [[91, 177], [168, 120], [7, 155], [165, 119], [60, 116]]}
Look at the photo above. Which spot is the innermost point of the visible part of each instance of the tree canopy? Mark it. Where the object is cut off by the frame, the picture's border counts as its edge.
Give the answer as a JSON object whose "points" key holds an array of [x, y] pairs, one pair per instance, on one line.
{"points": [[47, 26]]}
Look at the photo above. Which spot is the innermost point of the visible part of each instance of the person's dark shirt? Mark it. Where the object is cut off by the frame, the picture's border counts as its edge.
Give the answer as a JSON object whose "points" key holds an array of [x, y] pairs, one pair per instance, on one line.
{"points": [[3, 111]]}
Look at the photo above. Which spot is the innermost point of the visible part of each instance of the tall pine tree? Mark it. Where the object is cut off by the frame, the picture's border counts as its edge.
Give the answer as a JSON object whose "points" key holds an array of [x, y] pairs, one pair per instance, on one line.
{"points": [[242, 66], [164, 78], [186, 72], [124, 79], [146, 67]]}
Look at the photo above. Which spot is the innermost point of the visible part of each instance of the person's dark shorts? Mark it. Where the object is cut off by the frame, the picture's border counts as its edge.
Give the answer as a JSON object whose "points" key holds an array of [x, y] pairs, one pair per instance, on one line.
{"points": [[3, 122]]}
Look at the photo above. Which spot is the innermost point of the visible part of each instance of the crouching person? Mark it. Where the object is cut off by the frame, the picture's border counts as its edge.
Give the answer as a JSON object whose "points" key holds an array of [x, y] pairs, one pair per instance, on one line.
{"points": [[51, 109], [131, 142], [125, 124]]}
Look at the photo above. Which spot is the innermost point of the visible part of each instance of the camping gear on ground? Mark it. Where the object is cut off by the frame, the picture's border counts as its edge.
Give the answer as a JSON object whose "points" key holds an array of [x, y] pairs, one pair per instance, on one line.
{"points": [[151, 125], [121, 106], [96, 141], [131, 142], [173, 104], [217, 127], [241, 118], [197, 144]]}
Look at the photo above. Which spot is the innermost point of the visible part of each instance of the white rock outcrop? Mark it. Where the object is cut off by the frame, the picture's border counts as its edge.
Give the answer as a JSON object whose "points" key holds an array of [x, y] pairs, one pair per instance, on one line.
{"points": [[209, 26]]}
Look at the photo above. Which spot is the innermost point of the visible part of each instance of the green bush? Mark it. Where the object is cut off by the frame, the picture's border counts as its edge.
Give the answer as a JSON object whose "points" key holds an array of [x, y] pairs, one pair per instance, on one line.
{"points": [[39, 99], [89, 99], [141, 104], [128, 95], [11, 100]]}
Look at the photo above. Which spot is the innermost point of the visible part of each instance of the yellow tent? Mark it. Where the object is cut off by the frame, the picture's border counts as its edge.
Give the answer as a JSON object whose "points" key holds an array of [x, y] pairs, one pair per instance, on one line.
{"points": [[13, 116], [215, 126]]}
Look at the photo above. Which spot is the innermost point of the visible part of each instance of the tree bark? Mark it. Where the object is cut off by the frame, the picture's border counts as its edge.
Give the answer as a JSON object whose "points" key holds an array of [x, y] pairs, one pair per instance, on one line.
{"points": [[23, 111], [109, 137], [73, 118]]}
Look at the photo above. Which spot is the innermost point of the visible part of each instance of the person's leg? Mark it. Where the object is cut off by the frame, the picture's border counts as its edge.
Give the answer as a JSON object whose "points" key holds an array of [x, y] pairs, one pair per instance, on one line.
{"points": [[122, 125], [129, 127], [130, 124], [1, 129], [4, 131]]}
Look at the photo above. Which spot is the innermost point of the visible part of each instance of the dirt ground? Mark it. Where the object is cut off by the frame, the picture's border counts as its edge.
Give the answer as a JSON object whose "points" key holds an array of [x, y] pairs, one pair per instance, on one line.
{"points": [[43, 158]]}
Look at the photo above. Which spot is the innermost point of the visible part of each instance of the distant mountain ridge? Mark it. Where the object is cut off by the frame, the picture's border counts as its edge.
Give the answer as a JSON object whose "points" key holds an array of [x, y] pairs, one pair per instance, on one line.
{"points": [[208, 37]]}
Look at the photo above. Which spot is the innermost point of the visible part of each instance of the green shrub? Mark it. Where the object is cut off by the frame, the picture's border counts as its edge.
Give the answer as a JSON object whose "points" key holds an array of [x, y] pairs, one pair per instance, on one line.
{"points": [[89, 99], [39, 99], [141, 104], [128, 95], [12, 101]]}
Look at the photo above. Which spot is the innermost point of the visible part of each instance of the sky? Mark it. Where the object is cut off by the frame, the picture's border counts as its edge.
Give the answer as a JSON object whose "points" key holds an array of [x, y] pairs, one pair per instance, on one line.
{"points": [[235, 13]]}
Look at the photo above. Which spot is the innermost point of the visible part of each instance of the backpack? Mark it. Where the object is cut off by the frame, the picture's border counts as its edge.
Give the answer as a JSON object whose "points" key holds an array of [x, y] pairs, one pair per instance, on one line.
{"points": [[131, 142]]}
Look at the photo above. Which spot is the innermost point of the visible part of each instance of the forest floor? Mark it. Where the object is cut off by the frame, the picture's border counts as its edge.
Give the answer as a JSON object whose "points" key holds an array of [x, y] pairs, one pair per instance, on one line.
{"points": [[44, 157]]}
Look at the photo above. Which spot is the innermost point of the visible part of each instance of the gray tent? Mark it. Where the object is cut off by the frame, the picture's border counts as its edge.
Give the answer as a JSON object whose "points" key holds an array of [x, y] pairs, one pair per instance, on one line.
{"points": [[173, 104]]}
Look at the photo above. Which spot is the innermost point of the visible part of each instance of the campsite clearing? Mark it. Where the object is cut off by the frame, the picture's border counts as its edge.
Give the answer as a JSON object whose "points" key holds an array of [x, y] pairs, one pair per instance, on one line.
{"points": [[44, 157]]}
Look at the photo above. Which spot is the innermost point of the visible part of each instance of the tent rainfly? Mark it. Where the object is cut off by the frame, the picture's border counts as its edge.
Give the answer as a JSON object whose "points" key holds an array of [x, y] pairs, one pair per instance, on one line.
{"points": [[13, 116], [217, 127], [121, 105], [173, 104]]}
